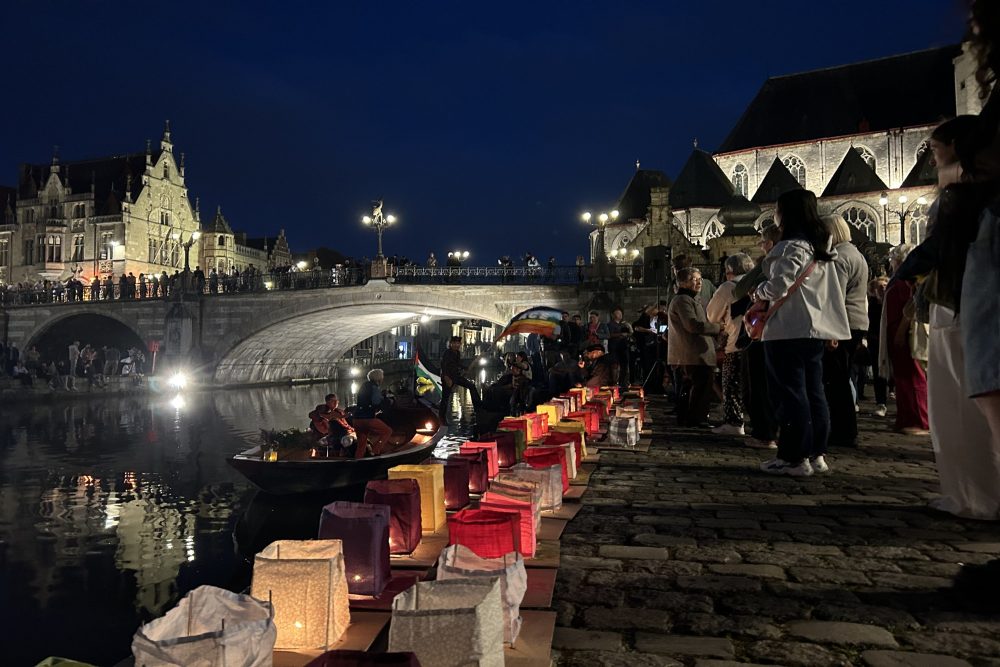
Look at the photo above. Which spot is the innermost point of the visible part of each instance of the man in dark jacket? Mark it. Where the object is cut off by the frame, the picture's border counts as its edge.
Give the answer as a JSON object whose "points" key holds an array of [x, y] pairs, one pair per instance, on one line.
{"points": [[597, 367], [371, 403], [453, 373]]}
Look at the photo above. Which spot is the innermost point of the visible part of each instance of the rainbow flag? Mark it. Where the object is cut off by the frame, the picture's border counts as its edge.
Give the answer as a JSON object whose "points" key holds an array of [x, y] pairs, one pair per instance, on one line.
{"points": [[538, 320]]}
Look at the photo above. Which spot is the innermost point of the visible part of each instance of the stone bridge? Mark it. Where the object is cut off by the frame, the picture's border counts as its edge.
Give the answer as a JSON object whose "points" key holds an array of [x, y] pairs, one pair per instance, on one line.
{"points": [[276, 336]]}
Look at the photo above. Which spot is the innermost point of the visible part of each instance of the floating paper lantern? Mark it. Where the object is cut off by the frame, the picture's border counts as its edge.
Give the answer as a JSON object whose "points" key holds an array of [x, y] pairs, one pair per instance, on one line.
{"points": [[209, 626], [452, 623], [506, 447], [430, 477], [456, 481], [458, 562], [306, 583], [364, 531], [548, 479], [479, 470], [364, 659], [489, 534], [543, 457], [402, 496], [624, 431], [491, 454]]}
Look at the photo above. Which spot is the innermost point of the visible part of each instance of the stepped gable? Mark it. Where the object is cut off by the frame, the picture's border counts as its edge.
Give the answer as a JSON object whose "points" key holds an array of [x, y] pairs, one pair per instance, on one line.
{"points": [[634, 202], [854, 175], [701, 184], [924, 173], [776, 182], [849, 99]]}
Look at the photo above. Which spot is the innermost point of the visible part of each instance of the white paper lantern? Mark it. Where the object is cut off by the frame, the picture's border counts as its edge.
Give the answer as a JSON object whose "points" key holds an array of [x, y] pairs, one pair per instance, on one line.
{"points": [[306, 583], [458, 562], [549, 481], [452, 623], [208, 627]]}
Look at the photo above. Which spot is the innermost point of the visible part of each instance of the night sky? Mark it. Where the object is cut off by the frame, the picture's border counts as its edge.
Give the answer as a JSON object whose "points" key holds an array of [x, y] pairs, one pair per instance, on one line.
{"points": [[484, 126]]}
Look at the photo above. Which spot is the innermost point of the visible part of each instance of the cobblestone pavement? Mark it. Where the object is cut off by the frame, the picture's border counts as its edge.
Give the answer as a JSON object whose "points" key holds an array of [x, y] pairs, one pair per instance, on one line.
{"points": [[689, 556]]}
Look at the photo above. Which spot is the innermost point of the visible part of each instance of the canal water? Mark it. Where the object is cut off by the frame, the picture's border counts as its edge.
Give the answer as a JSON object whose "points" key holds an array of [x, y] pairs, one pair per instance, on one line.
{"points": [[113, 508]]}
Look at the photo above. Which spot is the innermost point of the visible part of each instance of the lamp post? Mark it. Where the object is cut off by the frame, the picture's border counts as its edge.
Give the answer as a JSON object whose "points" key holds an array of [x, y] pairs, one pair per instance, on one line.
{"points": [[456, 257], [600, 221], [901, 213], [378, 222]]}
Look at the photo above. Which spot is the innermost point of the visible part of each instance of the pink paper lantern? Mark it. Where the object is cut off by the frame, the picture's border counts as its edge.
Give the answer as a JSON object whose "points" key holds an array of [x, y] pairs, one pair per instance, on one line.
{"points": [[527, 517], [543, 457], [479, 470], [487, 533], [591, 420], [456, 482], [556, 438], [506, 447], [403, 498], [364, 531], [491, 454]]}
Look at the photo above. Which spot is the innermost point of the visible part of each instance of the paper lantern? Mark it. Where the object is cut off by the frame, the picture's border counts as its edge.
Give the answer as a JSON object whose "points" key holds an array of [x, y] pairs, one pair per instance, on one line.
{"points": [[553, 412], [613, 390], [523, 489], [570, 449], [630, 412], [564, 404], [636, 404], [591, 420], [479, 470], [506, 447], [624, 431], [402, 496], [364, 531], [543, 457], [600, 405], [456, 481], [516, 424], [520, 440], [549, 481], [491, 453], [576, 439], [534, 421], [363, 659], [210, 626], [306, 583], [458, 562], [430, 477], [525, 513], [452, 623], [583, 394], [489, 534]]}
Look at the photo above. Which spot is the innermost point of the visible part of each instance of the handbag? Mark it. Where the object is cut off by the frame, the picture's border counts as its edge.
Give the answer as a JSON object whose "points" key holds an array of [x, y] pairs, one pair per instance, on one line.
{"points": [[759, 313]]}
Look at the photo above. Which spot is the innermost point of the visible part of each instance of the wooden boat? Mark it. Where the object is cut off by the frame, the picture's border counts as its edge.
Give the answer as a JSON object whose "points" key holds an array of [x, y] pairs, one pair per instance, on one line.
{"points": [[415, 435]]}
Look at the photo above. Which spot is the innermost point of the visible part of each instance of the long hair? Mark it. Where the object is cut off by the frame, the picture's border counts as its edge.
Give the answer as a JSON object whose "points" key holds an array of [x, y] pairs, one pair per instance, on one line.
{"points": [[955, 129], [984, 35], [800, 220]]}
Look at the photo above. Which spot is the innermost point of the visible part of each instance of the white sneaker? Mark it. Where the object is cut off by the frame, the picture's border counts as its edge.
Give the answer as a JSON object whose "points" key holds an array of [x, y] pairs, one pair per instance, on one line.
{"points": [[781, 467], [819, 464], [880, 410], [857, 408], [761, 444], [729, 429]]}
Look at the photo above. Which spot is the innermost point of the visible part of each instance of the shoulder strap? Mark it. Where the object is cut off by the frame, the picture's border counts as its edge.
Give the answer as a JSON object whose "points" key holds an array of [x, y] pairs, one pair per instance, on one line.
{"points": [[798, 283]]}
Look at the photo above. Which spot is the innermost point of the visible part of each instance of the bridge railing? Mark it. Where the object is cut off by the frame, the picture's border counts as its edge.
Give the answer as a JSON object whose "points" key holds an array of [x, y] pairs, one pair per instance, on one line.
{"points": [[489, 275]]}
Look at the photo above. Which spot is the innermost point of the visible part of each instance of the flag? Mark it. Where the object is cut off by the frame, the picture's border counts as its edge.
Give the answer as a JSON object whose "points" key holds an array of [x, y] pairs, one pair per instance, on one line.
{"points": [[428, 384], [538, 320]]}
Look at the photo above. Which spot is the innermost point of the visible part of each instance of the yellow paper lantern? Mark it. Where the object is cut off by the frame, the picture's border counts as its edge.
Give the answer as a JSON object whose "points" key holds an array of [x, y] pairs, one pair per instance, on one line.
{"points": [[430, 478], [306, 582]]}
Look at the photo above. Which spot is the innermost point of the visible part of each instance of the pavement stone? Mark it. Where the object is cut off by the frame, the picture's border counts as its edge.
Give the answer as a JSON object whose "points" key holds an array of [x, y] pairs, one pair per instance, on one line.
{"points": [[688, 555]]}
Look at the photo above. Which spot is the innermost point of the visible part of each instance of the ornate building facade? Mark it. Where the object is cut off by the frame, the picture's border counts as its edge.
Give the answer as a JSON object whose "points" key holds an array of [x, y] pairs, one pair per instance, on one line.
{"points": [[123, 214]]}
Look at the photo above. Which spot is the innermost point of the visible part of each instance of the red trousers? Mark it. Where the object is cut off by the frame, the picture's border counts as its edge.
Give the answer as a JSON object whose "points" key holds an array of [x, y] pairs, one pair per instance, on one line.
{"points": [[379, 432], [911, 389]]}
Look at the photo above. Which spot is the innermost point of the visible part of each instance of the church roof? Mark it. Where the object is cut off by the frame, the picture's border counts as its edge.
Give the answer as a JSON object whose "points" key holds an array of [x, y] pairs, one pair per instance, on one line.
{"points": [[634, 202], [738, 215], [701, 184], [219, 224], [924, 172], [876, 95], [109, 176], [776, 182], [854, 175]]}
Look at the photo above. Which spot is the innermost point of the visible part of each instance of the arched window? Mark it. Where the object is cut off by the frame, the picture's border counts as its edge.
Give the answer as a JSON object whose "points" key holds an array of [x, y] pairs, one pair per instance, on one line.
{"points": [[862, 219], [740, 179], [921, 149], [796, 168], [80, 211], [713, 230], [916, 232], [867, 156]]}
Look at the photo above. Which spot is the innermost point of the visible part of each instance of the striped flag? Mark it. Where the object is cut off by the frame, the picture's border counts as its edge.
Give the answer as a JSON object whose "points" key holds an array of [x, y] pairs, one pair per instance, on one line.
{"points": [[538, 320], [428, 384]]}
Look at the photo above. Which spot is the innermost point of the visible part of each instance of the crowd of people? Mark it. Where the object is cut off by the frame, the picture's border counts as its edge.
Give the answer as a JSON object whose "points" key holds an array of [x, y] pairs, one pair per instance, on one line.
{"points": [[83, 363]]}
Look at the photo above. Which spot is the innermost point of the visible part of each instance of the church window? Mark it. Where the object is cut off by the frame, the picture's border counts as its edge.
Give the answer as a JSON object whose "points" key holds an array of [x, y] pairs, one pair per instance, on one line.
{"points": [[107, 249], [54, 249], [222, 241], [29, 216], [78, 248], [796, 168], [917, 230], [741, 179], [862, 219], [867, 156], [165, 218], [151, 257]]}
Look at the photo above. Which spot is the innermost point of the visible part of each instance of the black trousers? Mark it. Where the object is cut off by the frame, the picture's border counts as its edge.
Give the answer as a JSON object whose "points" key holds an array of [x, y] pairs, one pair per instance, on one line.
{"points": [[446, 393], [837, 386], [694, 394], [763, 422]]}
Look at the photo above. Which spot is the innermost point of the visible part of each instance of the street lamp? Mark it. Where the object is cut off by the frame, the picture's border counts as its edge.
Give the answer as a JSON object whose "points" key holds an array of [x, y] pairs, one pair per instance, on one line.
{"points": [[378, 222], [600, 222], [901, 213], [458, 256]]}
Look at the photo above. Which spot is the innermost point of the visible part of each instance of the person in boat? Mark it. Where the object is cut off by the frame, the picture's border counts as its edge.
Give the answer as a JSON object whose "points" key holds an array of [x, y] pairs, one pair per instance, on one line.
{"points": [[372, 401], [328, 421]]}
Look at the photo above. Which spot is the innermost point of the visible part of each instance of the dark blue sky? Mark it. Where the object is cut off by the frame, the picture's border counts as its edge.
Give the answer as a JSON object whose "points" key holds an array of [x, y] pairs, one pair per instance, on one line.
{"points": [[485, 126]]}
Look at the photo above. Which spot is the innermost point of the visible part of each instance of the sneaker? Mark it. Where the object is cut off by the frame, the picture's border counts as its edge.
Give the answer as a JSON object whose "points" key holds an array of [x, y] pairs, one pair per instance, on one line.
{"points": [[819, 464], [729, 429], [857, 408], [880, 410], [781, 467], [761, 444]]}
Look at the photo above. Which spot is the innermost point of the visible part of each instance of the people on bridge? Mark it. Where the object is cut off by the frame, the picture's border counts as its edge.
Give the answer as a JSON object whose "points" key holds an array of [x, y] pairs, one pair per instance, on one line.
{"points": [[373, 433], [452, 375]]}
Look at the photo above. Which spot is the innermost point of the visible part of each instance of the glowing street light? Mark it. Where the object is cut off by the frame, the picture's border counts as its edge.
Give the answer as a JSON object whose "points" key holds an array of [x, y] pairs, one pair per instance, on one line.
{"points": [[901, 213], [600, 222], [378, 222]]}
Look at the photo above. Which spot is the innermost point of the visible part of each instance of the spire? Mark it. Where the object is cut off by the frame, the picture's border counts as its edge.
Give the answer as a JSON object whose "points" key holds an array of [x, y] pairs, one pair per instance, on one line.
{"points": [[166, 130], [149, 151], [197, 209], [182, 165], [637, 165], [165, 142], [128, 186], [696, 142], [55, 155]]}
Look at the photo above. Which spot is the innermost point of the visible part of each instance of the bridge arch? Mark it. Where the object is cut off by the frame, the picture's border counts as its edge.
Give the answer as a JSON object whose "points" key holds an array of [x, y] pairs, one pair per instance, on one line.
{"points": [[94, 328]]}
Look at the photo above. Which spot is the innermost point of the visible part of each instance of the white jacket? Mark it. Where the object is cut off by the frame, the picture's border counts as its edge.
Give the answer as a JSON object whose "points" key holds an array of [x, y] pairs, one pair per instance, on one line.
{"points": [[718, 312], [816, 308]]}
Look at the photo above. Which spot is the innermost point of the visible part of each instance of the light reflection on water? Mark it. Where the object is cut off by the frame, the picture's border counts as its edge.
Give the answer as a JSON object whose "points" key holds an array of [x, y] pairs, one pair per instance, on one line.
{"points": [[112, 508]]}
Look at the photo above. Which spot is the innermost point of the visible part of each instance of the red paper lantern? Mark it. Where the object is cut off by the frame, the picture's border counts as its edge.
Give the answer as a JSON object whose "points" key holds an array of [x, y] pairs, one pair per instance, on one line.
{"points": [[364, 531], [556, 438], [591, 420], [488, 534], [543, 457], [403, 498], [539, 424], [456, 482], [479, 470], [526, 512], [506, 447], [364, 659], [516, 424], [491, 454], [599, 404]]}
